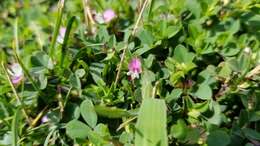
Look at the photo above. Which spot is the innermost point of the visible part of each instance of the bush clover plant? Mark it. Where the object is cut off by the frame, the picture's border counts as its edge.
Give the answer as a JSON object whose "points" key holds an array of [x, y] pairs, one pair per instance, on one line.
{"points": [[130, 72]]}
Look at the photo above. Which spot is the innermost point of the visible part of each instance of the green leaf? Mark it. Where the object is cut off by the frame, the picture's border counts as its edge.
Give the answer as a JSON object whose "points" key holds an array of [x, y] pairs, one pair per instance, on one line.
{"points": [[179, 130], [174, 78], [103, 131], [204, 92], [147, 89], [177, 6], [151, 124], [194, 7], [195, 29], [194, 113], [218, 138], [142, 50], [146, 37], [77, 129], [216, 118], [234, 27], [41, 59], [254, 116], [251, 134], [87, 111], [75, 81], [96, 70], [111, 112], [193, 135], [243, 118], [80, 73], [149, 60], [126, 138], [72, 111], [202, 107], [43, 81], [175, 94], [170, 63], [225, 70], [240, 64], [172, 30], [182, 55]]}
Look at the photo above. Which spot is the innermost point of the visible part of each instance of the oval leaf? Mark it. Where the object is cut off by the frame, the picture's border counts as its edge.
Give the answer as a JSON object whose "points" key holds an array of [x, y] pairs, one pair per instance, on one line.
{"points": [[88, 113], [77, 129]]}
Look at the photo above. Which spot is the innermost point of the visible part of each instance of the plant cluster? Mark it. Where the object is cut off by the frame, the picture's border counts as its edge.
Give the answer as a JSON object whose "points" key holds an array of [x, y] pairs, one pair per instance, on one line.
{"points": [[130, 72]]}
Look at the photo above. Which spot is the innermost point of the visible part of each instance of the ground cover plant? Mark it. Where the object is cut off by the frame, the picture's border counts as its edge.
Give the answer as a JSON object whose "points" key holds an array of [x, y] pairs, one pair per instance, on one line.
{"points": [[130, 72]]}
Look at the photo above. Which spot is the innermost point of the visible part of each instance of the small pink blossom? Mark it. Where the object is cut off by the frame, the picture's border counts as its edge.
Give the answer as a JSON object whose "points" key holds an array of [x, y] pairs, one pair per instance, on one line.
{"points": [[16, 73], [108, 15], [61, 35], [134, 68], [44, 119]]}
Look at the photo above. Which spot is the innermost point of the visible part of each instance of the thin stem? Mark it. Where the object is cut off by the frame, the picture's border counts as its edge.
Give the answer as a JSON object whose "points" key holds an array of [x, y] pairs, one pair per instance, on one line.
{"points": [[34, 122], [57, 27], [120, 65], [88, 16], [16, 37], [67, 97], [155, 89], [139, 17], [15, 94], [126, 46], [16, 49], [126, 123]]}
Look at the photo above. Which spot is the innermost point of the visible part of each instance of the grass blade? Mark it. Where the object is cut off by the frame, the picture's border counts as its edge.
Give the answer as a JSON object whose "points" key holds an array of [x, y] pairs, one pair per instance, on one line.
{"points": [[151, 124], [57, 27], [65, 42], [15, 127], [46, 142]]}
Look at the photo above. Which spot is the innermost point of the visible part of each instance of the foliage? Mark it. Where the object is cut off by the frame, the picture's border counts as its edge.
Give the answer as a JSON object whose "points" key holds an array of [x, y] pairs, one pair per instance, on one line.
{"points": [[199, 83]]}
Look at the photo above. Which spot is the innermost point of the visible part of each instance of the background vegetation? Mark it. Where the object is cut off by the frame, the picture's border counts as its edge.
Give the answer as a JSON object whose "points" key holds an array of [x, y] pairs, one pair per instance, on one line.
{"points": [[199, 84]]}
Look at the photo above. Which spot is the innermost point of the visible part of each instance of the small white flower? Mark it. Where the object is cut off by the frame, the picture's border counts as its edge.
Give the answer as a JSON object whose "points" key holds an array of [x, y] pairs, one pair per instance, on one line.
{"points": [[225, 2], [107, 16], [44, 119], [61, 35], [247, 50], [133, 75], [99, 18], [16, 73]]}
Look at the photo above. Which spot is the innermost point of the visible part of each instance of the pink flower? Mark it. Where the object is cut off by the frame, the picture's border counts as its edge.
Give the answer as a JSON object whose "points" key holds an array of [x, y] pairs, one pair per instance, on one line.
{"points": [[44, 119], [108, 15], [134, 68], [16, 73], [61, 35]]}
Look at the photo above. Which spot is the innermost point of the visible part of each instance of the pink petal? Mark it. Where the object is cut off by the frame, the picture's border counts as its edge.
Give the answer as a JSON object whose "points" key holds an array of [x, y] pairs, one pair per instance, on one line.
{"points": [[135, 65], [16, 79], [108, 15], [44, 119], [61, 35]]}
